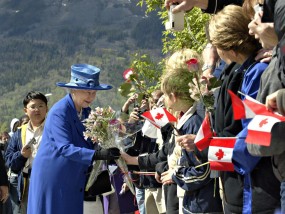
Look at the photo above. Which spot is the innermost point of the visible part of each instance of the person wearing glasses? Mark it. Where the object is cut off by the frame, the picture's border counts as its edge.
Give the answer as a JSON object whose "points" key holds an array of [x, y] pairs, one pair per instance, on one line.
{"points": [[24, 144]]}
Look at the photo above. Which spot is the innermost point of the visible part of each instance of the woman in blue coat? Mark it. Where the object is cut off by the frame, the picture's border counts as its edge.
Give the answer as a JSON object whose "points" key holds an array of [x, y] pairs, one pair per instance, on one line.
{"points": [[59, 170]]}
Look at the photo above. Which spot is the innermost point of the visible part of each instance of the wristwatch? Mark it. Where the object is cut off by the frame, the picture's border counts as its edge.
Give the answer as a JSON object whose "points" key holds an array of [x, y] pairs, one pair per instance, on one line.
{"points": [[207, 66]]}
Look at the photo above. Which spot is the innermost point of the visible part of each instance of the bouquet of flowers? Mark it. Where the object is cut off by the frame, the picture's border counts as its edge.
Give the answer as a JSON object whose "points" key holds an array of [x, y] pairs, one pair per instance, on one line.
{"points": [[97, 124], [103, 127]]}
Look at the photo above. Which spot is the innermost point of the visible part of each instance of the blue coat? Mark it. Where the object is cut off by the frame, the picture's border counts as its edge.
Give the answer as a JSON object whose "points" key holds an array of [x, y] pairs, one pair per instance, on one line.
{"points": [[15, 161], [59, 169], [261, 189]]}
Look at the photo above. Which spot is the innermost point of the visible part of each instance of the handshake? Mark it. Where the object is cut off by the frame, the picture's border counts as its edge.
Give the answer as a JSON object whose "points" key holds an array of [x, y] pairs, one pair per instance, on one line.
{"points": [[107, 154]]}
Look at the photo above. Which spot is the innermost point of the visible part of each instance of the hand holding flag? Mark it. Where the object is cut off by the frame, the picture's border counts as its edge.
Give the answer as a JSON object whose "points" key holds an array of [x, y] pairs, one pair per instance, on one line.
{"points": [[259, 128]]}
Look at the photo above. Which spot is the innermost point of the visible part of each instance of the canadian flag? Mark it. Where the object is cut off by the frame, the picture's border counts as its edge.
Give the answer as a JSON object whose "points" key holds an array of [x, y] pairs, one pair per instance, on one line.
{"points": [[159, 117], [246, 108], [204, 135], [220, 154], [259, 129]]}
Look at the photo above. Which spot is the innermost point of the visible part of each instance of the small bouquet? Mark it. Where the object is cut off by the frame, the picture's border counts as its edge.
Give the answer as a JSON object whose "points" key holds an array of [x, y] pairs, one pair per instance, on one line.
{"points": [[97, 124], [103, 127]]}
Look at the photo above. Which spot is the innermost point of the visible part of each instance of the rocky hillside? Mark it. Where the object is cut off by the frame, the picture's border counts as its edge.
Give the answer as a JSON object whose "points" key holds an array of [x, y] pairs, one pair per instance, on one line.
{"points": [[39, 40]]}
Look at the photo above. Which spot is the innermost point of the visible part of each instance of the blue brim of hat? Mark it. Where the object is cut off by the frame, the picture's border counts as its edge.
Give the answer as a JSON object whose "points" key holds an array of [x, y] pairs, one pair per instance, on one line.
{"points": [[75, 86]]}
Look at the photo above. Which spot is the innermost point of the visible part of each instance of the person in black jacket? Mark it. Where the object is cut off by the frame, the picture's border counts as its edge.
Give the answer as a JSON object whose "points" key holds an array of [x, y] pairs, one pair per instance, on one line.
{"points": [[4, 190], [144, 145]]}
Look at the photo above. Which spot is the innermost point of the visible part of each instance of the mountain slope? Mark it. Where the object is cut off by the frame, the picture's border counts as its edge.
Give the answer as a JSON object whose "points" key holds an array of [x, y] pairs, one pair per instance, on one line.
{"points": [[40, 40]]}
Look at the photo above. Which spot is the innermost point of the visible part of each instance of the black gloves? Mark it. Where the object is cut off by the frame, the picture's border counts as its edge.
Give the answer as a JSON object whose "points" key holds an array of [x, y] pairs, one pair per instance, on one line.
{"points": [[107, 154]]}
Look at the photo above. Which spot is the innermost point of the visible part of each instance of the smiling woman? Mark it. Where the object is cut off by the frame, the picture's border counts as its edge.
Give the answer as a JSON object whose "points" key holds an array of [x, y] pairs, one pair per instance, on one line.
{"points": [[82, 98], [60, 167]]}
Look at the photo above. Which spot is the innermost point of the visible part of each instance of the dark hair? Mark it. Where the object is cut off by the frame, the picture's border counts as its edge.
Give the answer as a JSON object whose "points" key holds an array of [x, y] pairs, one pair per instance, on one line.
{"points": [[5, 133], [32, 95]]}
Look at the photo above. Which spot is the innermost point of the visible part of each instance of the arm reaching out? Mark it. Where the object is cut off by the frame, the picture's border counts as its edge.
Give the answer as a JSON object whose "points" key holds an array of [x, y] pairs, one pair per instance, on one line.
{"points": [[186, 5]]}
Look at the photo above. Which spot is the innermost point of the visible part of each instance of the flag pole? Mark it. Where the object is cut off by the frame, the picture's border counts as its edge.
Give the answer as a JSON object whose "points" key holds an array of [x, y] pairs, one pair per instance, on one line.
{"points": [[203, 164], [250, 98], [211, 122], [242, 93], [144, 173], [178, 132]]}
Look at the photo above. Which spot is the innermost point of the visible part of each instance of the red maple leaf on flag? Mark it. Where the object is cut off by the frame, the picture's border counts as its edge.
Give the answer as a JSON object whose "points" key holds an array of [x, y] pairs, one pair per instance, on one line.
{"points": [[263, 122], [220, 154], [159, 116]]}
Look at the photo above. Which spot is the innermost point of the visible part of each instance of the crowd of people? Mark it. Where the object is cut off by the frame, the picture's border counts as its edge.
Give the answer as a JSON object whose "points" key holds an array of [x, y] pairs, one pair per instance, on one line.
{"points": [[45, 159]]}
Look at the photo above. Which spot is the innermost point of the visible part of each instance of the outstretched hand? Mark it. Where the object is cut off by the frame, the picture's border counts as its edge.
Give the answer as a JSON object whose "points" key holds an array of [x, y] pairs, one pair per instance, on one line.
{"points": [[107, 154], [186, 5], [130, 160]]}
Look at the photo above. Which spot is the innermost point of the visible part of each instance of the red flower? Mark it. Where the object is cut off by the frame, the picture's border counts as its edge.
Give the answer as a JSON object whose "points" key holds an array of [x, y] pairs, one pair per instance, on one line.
{"points": [[192, 64], [127, 73]]}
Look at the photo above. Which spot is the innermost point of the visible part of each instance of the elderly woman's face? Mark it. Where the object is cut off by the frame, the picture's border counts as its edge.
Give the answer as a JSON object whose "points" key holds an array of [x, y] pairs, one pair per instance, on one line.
{"points": [[83, 98]]}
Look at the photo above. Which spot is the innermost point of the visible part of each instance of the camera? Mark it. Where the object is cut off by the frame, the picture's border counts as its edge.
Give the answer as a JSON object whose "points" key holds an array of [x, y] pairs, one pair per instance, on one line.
{"points": [[139, 111], [32, 141], [175, 21]]}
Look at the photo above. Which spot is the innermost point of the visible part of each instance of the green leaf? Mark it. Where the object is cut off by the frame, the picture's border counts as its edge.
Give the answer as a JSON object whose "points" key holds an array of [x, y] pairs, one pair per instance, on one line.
{"points": [[125, 89], [214, 83]]}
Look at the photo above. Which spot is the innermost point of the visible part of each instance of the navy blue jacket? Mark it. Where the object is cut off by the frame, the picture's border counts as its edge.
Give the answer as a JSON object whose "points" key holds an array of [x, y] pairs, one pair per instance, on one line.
{"points": [[14, 160], [200, 188]]}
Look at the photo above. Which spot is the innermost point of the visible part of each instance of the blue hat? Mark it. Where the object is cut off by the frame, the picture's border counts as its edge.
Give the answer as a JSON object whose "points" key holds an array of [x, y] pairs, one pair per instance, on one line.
{"points": [[84, 76]]}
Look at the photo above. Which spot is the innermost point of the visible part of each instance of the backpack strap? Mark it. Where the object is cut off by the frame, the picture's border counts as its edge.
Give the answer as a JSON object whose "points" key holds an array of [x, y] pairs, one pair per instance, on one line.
{"points": [[23, 138], [23, 134]]}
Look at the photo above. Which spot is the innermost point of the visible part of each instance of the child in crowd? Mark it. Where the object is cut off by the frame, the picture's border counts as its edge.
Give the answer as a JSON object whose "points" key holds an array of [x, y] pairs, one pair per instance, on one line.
{"points": [[25, 142], [176, 95]]}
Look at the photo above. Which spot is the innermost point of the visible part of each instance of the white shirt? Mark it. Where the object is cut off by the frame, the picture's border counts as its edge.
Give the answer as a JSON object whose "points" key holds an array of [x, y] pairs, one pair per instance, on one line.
{"points": [[30, 134]]}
